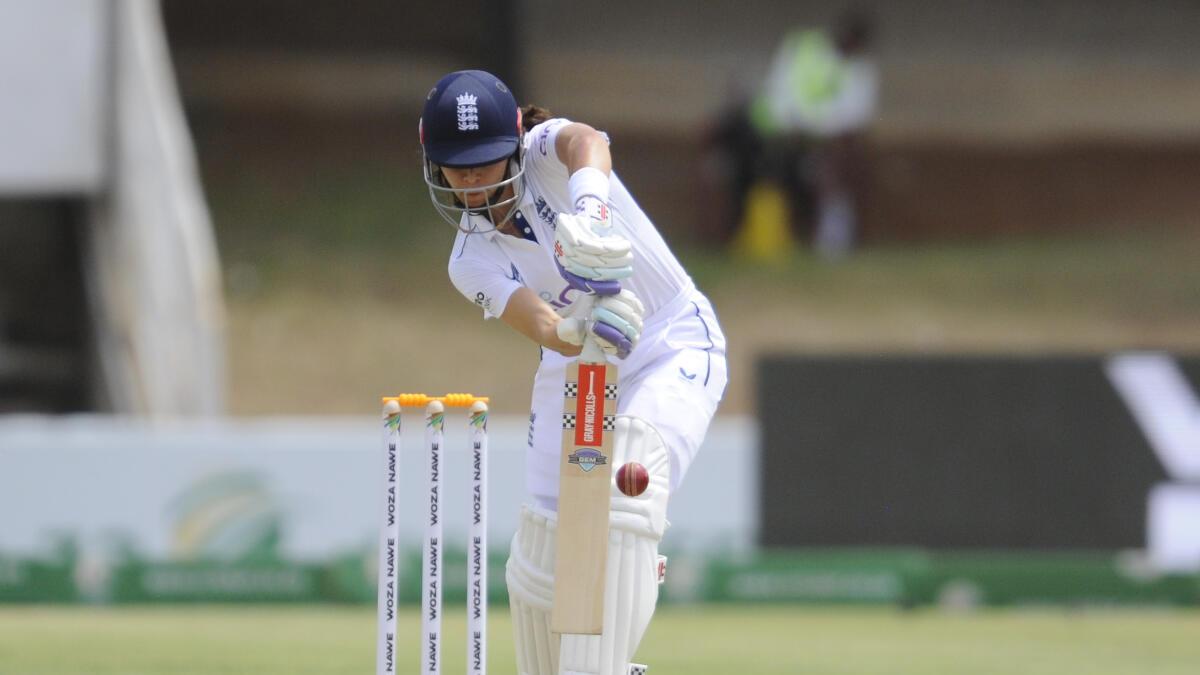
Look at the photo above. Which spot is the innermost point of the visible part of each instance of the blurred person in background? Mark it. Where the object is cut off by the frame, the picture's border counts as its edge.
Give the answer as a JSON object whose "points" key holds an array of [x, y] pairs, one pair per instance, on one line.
{"points": [[543, 222], [803, 129], [733, 164]]}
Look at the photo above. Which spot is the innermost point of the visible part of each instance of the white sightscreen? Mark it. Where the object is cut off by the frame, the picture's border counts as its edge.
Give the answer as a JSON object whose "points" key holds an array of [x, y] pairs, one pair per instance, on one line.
{"points": [[53, 70]]}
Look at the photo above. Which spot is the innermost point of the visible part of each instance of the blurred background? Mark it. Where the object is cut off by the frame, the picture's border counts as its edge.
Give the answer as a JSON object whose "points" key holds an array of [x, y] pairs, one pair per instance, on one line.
{"points": [[953, 246]]}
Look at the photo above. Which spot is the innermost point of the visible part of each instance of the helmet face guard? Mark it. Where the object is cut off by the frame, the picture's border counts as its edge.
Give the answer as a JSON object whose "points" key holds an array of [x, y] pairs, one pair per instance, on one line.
{"points": [[446, 200], [471, 119]]}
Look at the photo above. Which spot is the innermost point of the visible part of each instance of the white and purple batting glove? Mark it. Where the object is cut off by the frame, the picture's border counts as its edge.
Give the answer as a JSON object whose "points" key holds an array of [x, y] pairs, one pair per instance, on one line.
{"points": [[615, 321], [584, 257]]}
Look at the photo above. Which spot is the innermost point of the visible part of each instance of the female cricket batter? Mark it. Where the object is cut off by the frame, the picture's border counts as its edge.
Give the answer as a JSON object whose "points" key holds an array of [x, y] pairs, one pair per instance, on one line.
{"points": [[542, 222]]}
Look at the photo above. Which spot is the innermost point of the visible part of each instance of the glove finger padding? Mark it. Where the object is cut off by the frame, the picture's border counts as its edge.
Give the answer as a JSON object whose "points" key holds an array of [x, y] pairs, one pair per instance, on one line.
{"points": [[588, 285], [611, 340], [594, 272], [626, 305], [579, 250], [616, 322], [577, 233], [602, 315], [585, 258]]}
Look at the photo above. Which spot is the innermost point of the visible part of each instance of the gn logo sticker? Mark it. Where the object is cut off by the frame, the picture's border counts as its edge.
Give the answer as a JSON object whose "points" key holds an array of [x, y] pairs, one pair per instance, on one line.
{"points": [[587, 458]]}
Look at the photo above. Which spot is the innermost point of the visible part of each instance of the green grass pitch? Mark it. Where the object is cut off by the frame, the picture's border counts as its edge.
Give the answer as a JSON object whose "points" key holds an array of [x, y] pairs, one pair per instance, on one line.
{"points": [[700, 640]]}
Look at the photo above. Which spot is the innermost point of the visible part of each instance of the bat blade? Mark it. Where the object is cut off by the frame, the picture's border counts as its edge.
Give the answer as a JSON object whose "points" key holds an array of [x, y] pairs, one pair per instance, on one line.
{"points": [[585, 474]]}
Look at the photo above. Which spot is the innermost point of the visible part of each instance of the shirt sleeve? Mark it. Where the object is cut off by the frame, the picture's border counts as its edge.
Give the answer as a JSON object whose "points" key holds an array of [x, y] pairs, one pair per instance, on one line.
{"points": [[482, 279], [542, 163], [541, 139]]}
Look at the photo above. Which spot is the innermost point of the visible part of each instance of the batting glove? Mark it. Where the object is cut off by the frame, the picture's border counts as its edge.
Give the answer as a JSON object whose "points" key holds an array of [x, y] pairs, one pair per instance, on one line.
{"points": [[614, 320], [584, 256]]}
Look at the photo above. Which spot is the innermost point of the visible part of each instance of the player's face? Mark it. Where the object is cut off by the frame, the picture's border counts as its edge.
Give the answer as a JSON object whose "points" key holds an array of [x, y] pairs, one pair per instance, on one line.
{"points": [[463, 180]]}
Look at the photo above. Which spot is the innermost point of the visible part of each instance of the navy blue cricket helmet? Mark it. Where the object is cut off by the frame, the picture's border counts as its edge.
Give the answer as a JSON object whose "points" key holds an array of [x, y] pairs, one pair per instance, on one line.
{"points": [[470, 119]]}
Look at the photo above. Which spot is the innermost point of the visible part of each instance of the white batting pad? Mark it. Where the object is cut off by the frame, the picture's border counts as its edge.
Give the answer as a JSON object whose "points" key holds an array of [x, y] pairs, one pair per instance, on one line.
{"points": [[631, 590], [529, 575], [637, 441]]}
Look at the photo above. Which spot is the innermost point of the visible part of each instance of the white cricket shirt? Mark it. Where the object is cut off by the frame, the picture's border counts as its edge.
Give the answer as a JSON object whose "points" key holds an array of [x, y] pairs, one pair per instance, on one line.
{"points": [[487, 267], [675, 376]]}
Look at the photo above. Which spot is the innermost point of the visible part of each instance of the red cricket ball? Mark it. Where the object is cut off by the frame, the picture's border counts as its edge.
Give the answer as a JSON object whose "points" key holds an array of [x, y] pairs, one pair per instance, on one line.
{"points": [[632, 479]]}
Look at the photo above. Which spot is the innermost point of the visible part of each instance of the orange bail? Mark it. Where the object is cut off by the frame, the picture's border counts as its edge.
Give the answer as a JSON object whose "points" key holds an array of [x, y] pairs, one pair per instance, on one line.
{"points": [[422, 400]]}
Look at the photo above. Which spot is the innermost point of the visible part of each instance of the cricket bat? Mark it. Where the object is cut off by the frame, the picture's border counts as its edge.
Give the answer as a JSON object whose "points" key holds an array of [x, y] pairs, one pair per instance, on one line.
{"points": [[585, 474]]}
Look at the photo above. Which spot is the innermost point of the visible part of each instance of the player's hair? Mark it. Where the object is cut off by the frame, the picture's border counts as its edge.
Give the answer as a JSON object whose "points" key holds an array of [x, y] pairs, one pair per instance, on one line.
{"points": [[533, 115]]}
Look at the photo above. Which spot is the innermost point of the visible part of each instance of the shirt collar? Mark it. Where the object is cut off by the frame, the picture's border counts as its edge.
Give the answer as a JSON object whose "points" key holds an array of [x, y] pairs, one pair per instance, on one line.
{"points": [[525, 206]]}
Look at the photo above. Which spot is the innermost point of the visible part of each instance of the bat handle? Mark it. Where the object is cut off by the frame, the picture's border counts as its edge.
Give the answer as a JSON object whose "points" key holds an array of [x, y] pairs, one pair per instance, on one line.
{"points": [[592, 353]]}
